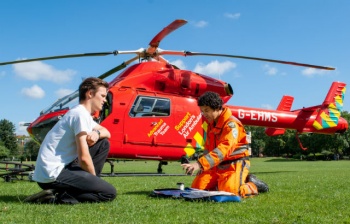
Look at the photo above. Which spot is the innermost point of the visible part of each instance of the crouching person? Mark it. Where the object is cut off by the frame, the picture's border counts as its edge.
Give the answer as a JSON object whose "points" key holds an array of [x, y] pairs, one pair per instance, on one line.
{"points": [[73, 153], [225, 163]]}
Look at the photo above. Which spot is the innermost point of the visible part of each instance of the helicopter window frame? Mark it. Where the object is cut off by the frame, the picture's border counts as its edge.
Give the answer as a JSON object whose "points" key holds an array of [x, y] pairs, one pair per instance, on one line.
{"points": [[64, 103], [148, 106], [107, 108]]}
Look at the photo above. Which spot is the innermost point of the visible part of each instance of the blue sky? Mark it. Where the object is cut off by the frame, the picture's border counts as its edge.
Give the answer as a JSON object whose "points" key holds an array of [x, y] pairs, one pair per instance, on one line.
{"points": [[305, 31]]}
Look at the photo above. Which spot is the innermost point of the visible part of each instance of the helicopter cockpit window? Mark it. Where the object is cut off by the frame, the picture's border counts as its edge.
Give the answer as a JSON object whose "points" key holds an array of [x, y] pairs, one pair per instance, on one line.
{"points": [[150, 106]]}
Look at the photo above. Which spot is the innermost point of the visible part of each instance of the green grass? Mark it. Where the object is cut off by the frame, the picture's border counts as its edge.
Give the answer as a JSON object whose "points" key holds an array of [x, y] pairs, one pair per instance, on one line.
{"points": [[300, 192]]}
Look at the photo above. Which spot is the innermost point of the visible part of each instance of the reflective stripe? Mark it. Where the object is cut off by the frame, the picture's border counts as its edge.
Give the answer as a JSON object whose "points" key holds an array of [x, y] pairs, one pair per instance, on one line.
{"points": [[239, 150], [243, 165], [219, 153], [210, 160]]}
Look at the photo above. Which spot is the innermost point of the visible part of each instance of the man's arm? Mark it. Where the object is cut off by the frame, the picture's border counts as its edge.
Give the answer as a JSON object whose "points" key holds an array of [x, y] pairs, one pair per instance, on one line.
{"points": [[84, 157], [223, 147], [104, 133], [97, 133]]}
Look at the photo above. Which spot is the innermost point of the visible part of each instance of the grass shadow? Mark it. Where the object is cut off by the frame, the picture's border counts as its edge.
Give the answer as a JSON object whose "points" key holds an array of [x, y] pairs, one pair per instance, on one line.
{"points": [[282, 160], [10, 198], [138, 192], [274, 172]]}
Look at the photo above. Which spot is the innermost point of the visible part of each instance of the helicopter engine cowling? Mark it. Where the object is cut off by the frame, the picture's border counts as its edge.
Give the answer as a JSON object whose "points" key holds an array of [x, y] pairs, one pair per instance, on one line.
{"points": [[165, 78]]}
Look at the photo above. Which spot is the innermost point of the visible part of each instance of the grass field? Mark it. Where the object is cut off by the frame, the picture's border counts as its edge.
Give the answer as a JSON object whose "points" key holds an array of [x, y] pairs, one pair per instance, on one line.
{"points": [[300, 192]]}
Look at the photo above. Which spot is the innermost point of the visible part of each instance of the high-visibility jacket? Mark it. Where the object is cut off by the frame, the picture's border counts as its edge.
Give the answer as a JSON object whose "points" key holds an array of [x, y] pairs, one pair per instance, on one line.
{"points": [[226, 141]]}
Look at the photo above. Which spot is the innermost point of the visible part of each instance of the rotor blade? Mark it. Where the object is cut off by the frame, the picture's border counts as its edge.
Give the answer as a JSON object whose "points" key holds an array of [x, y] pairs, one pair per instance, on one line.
{"points": [[170, 28], [59, 56], [188, 53], [118, 68]]}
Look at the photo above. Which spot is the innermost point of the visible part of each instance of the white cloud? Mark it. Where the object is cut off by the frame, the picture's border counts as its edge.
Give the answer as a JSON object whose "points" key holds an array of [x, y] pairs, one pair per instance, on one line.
{"points": [[63, 92], [232, 16], [214, 67], [310, 72], [270, 70], [21, 129], [200, 24], [33, 92], [38, 70], [179, 63]]}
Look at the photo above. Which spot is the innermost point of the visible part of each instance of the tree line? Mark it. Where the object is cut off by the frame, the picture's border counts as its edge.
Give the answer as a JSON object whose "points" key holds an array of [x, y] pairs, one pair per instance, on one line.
{"points": [[287, 145]]}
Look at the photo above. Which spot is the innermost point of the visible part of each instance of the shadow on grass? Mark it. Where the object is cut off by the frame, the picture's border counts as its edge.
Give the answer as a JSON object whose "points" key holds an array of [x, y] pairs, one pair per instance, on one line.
{"points": [[274, 172], [15, 198], [138, 192], [282, 160]]}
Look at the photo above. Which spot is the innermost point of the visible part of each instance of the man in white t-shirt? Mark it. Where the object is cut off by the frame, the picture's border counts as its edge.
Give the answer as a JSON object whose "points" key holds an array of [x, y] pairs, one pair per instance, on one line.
{"points": [[73, 153]]}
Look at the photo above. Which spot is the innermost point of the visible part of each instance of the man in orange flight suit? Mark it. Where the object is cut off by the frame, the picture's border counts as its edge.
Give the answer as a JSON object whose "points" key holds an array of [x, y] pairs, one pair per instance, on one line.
{"points": [[225, 163]]}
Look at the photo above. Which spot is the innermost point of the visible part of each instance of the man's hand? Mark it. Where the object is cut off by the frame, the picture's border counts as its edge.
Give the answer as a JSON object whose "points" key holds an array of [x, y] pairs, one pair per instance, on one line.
{"points": [[190, 168]]}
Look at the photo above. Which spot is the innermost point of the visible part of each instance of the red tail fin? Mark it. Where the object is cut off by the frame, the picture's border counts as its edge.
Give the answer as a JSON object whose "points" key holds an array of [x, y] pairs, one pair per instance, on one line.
{"points": [[329, 113]]}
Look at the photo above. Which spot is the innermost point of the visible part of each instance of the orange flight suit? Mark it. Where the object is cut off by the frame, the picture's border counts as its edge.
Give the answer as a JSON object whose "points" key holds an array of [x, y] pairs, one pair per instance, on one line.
{"points": [[225, 162]]}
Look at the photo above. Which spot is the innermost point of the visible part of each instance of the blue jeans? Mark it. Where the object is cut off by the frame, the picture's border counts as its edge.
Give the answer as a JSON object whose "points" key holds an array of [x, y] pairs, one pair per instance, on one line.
{"points": [[74, 185]]}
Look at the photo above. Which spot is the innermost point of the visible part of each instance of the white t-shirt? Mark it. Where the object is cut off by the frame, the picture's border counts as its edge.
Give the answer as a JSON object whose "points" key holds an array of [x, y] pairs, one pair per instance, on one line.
{"points": [[59, 147]]}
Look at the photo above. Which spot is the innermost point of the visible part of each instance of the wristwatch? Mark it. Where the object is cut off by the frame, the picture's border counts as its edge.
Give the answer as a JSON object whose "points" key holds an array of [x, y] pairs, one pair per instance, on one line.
{"points": [[98, 132]]}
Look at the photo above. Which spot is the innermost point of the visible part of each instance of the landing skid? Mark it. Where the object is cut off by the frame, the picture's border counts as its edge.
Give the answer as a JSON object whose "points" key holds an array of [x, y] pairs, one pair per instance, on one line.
{"points": [[121, 174], [11, 171]]}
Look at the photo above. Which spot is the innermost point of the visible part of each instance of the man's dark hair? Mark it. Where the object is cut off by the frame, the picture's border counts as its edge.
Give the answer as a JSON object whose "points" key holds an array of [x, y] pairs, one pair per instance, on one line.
{"points": [[92, 84], [210, 99]]}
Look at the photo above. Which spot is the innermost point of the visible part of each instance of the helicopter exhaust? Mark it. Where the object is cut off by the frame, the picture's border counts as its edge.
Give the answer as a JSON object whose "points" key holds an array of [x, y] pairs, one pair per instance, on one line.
{"points": [[228, 89]]}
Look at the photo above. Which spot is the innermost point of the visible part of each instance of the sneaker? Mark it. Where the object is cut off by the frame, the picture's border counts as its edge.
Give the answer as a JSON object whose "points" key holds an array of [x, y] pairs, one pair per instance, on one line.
{"points": [[261, 185], [44, 196]]}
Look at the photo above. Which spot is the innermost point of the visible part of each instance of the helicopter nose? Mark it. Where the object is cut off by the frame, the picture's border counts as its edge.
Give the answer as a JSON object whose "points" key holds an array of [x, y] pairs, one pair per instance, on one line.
{"points": [[30, 130]]}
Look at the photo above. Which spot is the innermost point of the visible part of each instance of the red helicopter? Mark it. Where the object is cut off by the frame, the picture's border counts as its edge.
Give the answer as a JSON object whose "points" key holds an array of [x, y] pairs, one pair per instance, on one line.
{"points": [[152, 111]]}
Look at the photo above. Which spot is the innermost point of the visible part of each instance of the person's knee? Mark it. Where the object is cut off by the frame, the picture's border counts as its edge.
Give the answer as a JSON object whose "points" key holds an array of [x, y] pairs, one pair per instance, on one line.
{"points": [[110, 194]]}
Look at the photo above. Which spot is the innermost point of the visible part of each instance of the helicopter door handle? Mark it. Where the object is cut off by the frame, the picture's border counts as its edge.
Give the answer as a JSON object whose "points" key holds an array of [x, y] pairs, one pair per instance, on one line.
{"points": [[153, 123]]}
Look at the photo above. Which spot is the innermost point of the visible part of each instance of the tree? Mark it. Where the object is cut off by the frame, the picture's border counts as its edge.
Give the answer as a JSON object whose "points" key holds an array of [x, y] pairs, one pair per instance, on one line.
{"points": [[346, 135], [4, 152], [258, 139], [8, 136], [31, 149]]}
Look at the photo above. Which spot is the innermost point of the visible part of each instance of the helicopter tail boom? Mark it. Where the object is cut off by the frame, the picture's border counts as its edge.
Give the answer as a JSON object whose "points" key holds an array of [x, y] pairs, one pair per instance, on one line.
{"points": [[285, 105], [321, 119]]}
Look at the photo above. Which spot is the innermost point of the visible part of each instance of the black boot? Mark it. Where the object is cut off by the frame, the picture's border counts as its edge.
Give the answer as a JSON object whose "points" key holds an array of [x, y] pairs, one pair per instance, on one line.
{"points": [[261, 185]]}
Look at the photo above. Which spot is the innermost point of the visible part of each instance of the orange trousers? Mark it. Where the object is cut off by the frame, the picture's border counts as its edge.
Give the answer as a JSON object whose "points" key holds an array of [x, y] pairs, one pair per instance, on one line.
{"points": [[228, 177]]}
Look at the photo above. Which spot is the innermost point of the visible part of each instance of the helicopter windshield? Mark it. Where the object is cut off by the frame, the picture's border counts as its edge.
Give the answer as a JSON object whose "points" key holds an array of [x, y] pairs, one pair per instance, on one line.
{"points": [[64, 103], [150, 106]]}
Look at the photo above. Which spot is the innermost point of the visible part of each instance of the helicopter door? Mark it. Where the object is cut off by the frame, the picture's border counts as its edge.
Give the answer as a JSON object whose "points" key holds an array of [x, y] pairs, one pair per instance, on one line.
{"points": [[150, 120]]}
